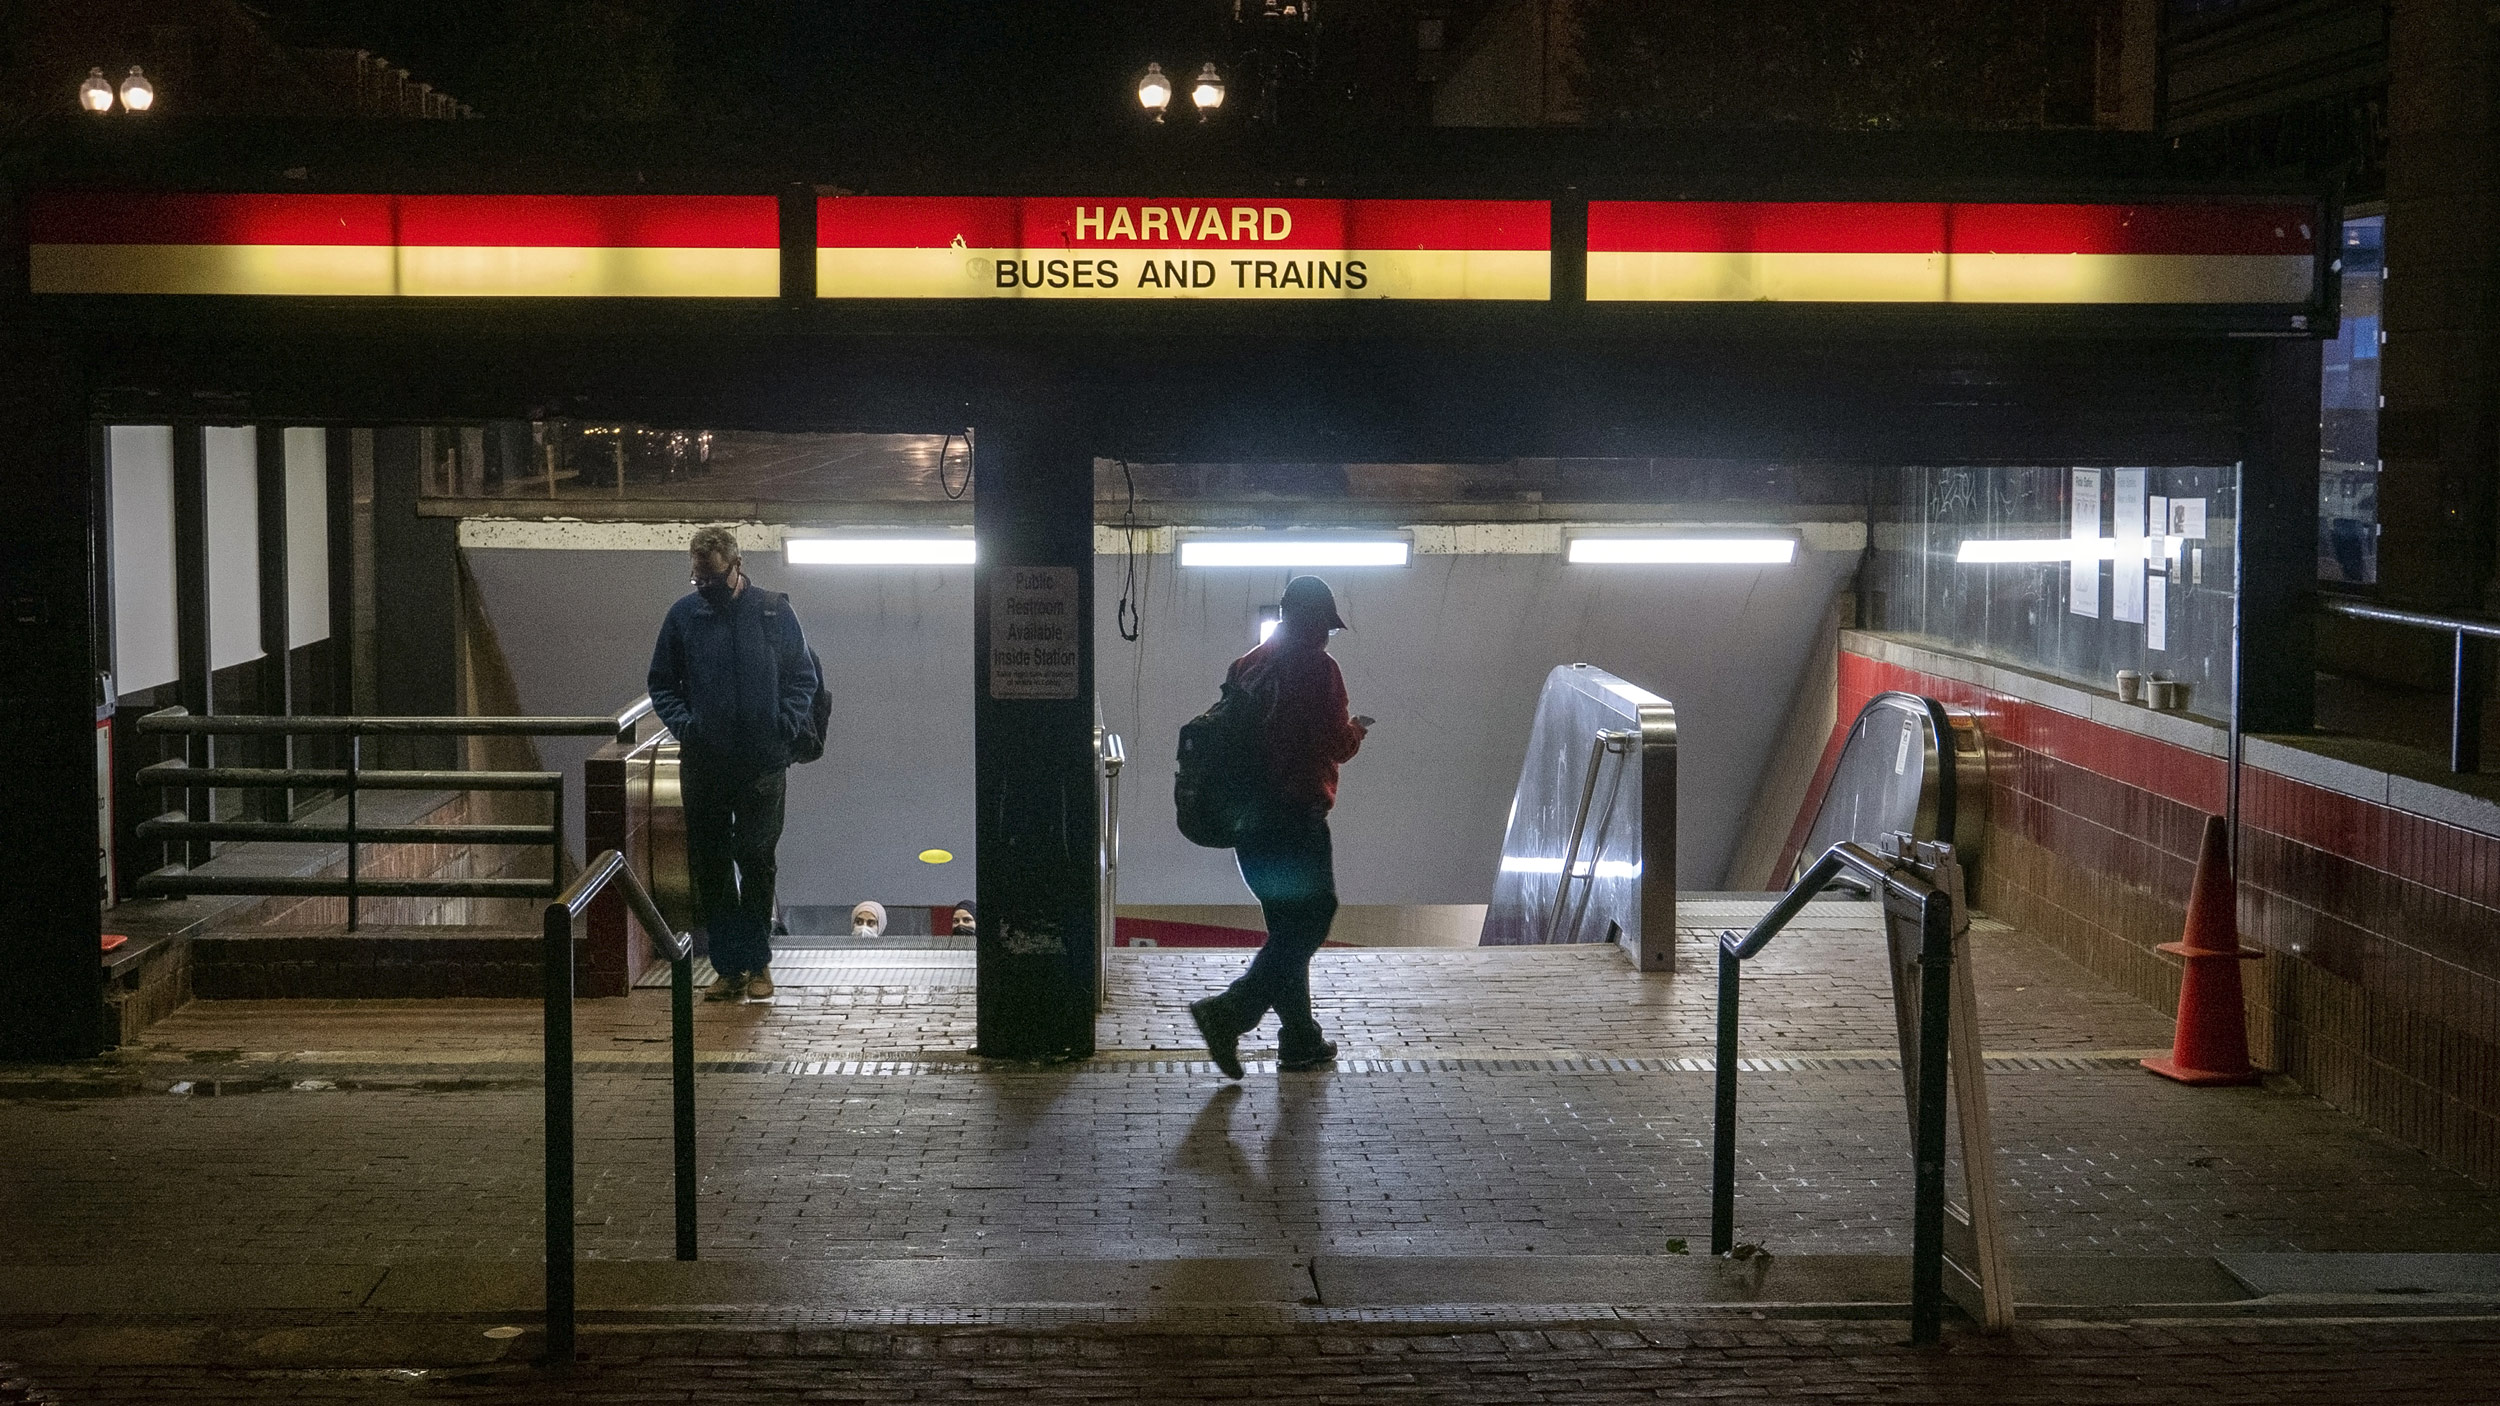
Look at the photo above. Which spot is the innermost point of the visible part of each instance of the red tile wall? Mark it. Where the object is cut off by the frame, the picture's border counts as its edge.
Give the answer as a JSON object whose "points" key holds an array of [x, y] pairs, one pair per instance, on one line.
{"points": [[2380, 991]]}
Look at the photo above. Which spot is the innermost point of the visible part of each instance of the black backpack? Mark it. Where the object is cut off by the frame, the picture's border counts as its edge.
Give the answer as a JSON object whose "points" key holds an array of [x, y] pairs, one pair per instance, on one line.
{"points": [[809, 746], [1222, 782]]}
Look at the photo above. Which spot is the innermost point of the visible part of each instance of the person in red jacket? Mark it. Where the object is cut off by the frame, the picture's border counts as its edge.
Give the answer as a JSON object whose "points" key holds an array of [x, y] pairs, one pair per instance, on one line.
{"points": [[1287, 858]]}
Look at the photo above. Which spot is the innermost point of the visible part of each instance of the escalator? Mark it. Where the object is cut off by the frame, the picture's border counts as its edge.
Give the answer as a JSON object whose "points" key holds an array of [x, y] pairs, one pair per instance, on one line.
{"points": [[1588, 854]]}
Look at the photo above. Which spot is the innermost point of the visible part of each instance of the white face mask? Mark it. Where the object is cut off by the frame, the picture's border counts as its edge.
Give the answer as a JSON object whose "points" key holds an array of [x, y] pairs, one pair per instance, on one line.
{"points": [[864, 928]]}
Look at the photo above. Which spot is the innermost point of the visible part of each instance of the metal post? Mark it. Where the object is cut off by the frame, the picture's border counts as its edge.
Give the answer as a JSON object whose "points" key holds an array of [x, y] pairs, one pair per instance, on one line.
{"points": [[556, 956], [355, 763], [2465, 708], [1935, 1019], [681, 1062], [1723, 1124]]}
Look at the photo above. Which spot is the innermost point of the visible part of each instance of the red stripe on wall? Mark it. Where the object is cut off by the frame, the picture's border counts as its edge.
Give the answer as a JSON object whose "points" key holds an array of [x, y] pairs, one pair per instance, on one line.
{"points": [[2445, 858], [1010, 222], [1787, 227], [1912, 227], [2190, 778], [591, 221], [86, 218], [495, 221]]}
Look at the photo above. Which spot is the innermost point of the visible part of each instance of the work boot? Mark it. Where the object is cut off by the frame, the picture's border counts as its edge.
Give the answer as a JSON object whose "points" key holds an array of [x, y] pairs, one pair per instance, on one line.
{"points": [[1223, 1037], [760, 986], [1299, 1050], [728, 986]]}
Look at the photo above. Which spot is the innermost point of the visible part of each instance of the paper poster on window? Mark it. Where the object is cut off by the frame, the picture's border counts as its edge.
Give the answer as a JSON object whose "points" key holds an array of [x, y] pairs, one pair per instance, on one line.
{"points": [[2083, 583], [1033, 625], [2157, 613], [2187, 518], [2126, 568]]}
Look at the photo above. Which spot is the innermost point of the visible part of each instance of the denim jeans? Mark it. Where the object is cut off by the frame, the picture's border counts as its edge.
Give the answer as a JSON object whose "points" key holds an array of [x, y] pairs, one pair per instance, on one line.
{"points": [[1291, 866], [733, 826]]}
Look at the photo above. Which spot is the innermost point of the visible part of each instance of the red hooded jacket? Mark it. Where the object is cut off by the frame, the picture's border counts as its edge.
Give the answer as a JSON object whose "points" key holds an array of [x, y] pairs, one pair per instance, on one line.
{"points": [[1308, 729]]}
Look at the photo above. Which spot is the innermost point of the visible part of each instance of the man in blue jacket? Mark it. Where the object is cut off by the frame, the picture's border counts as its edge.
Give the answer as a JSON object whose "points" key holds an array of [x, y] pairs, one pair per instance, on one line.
{"points": [[732, 678]]}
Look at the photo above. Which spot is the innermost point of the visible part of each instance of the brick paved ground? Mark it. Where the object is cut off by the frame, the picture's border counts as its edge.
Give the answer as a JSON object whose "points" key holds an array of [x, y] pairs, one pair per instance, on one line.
{"points": [[2263, 1363], [358, 1133]]}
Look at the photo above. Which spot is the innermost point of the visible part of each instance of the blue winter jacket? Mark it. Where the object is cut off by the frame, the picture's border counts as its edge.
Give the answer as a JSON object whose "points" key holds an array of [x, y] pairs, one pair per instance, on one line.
{"points": [[734, 682]]}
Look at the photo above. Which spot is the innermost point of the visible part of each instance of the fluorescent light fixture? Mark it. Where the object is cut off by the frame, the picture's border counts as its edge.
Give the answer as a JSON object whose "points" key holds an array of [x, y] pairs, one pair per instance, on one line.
{"points": [[1537, 864], [2036, 549], [1684, 551], [1282, 550], [877, 551]]}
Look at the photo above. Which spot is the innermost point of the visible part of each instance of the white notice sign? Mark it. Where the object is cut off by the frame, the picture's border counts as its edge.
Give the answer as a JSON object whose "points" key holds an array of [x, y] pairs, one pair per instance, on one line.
{"points": [[2157, 612], [2126, 569], [2083, 583], [1033, 632]]}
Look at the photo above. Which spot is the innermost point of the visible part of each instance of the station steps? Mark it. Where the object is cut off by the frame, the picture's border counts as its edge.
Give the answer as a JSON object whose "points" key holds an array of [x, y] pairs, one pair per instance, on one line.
{"points": [[416, 962]]}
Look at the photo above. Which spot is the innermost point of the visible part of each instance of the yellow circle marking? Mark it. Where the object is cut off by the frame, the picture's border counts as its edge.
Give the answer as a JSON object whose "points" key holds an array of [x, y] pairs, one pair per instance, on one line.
{"points": [[937, 856]]}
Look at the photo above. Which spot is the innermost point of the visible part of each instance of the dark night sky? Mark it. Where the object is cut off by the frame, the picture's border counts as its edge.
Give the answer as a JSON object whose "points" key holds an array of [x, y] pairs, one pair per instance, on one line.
{"points": [[1008, 66]]}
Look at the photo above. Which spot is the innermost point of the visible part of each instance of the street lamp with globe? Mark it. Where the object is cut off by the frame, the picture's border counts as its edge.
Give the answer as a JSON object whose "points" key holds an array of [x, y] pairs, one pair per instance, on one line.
{"points": [[1154, 91]]}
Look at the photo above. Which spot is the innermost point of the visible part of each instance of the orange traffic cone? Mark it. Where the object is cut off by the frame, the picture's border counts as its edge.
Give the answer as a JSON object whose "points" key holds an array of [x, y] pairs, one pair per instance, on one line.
{"points": [[2211, 1046]]}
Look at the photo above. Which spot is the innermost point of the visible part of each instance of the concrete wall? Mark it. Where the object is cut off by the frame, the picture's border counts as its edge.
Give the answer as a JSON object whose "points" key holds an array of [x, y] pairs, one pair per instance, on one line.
{"points": [[1448, 654]]}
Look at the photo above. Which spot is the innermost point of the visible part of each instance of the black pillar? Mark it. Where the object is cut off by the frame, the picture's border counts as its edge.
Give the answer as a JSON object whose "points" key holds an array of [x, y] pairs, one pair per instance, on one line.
{"points": [[195, 685], [2278, 537], [416, 581], [1033, 731], [52, 994], [275, 691]]}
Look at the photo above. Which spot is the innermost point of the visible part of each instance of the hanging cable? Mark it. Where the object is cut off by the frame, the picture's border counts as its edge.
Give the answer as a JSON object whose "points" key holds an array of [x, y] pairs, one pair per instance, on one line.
{"points": [[953, 494], [1127, 616]]}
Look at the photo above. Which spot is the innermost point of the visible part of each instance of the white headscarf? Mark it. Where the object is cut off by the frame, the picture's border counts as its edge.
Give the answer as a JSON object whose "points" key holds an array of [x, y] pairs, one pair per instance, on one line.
{"points": [[873, 911]]}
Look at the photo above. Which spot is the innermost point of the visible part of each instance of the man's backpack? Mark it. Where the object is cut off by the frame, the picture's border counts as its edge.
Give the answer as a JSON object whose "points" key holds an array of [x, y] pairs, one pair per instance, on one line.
{"points": [[810, 745], [1222, 781]]}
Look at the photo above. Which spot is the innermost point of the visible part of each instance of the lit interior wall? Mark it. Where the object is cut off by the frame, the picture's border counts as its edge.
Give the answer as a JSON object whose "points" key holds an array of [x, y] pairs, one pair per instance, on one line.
{"points": [[1448, 653]]}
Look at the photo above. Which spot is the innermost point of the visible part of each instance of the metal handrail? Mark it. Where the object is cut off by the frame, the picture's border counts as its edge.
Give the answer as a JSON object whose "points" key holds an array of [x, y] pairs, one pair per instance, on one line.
{"points": [[2467, 681], [1112, 753], [1897, 881], [557, 963], [193, 825]]}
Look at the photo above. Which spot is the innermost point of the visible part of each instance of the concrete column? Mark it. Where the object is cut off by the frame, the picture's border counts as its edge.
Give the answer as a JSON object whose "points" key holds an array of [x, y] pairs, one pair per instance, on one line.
{"points": [[1033, 748]]}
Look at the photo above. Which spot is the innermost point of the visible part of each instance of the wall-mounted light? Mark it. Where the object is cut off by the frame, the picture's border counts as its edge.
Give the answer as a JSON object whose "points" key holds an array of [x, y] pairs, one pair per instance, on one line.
{"points": [[96, 94], [2039, 549], [1683, 551], [877, 551], [138, 94], [1280, 549]]}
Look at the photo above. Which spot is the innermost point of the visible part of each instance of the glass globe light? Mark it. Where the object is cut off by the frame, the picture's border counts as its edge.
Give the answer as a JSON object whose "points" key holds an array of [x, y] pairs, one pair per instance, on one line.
{"points": [[138, 94], [96, 94], [1208, 91], [1154, 91]]}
